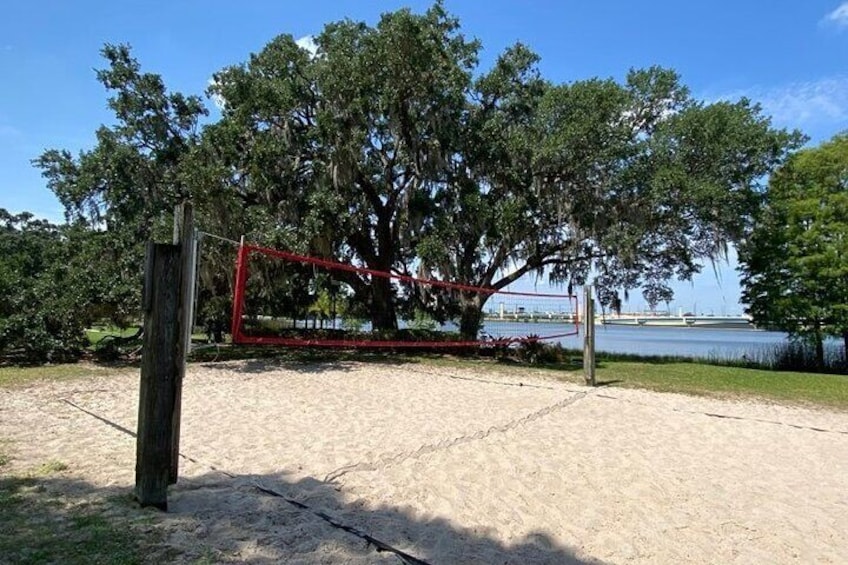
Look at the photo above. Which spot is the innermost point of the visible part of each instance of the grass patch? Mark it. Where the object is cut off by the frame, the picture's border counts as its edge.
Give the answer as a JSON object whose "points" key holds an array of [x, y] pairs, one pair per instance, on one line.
{"points": [[40, 524], [12, 376], [97, 334], [689, 377], [657, 373], [51, 467], [39, 527]]}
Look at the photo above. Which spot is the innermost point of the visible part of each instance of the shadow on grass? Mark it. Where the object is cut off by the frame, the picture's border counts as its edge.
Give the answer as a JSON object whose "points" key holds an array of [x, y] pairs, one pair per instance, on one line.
{"points": [[216, 518], [611, 382], [57, 520]]}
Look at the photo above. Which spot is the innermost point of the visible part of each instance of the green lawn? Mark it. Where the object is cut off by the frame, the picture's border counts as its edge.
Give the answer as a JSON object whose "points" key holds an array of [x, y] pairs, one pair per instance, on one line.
{"points": [[39, 526], [664, 375], [20, 376], [701, 379], [684, 377], [96, 334]]}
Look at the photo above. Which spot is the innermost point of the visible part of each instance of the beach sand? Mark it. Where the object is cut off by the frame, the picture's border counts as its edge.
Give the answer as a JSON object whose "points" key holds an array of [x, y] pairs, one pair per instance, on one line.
{"points": [[452, 465]]}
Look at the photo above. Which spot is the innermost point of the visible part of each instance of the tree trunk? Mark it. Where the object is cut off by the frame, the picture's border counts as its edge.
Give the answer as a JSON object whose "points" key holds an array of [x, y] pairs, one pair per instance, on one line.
{"points": [[819, 347], [383, 315], [471, 318]]}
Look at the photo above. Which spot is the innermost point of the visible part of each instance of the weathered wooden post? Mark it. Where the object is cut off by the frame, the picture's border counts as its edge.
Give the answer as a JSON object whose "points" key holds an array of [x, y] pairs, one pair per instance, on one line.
{"points": [[168, 320], [588, 336], [186, 238], [160, 364]]}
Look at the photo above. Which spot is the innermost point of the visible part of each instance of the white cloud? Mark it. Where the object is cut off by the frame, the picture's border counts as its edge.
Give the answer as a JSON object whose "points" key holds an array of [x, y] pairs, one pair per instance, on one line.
{"points": [[217, 99], [839, 16], [308, 42], [802, 104]]}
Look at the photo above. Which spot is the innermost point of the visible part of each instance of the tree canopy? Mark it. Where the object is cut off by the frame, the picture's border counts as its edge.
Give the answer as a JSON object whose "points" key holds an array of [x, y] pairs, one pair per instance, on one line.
{"points": [[389, 147], [43, 300], [127, 185], [793, 263]]}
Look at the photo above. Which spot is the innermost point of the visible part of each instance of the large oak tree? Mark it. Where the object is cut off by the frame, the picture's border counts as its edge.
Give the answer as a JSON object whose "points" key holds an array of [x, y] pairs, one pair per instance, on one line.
{"points": [[340, 148], [387, 147]]}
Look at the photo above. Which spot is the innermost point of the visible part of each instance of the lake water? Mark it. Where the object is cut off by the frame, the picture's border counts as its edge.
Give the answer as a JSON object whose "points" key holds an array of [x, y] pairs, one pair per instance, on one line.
{"points": [[642, 340], [649, 340]]}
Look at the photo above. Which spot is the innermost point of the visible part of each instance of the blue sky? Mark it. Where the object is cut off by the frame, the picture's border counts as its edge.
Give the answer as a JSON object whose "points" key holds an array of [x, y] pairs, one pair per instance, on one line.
{"points": [[789, 55]]}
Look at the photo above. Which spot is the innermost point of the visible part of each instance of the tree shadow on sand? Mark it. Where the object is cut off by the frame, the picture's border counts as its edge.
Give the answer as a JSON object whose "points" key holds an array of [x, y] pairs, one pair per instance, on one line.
{"points": [[307, 363], [216, 518]]}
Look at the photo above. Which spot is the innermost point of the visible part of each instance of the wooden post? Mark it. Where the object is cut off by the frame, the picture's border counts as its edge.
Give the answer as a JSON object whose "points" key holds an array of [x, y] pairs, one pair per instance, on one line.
{"points": [[589, 336], [185, 238], [160, 369]]}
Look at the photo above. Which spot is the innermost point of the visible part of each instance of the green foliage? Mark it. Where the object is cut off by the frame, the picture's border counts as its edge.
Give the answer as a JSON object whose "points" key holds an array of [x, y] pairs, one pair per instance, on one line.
{"points": [[42, 310], [794, 273], [335, 154], [796, 355], [352, 323], [329, 302], [636, 182], [122, 193], [413, 162], [423, 321], [390, 148]]}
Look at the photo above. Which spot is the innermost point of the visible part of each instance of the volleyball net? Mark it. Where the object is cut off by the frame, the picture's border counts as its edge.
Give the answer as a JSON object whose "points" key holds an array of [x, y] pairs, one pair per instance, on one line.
{"points": [[282, 298]]}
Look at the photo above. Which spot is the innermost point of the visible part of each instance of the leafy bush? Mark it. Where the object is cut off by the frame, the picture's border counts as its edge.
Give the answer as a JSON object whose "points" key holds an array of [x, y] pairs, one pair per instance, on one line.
{"points": [[423, 321], [42, 311], [530, 350]]}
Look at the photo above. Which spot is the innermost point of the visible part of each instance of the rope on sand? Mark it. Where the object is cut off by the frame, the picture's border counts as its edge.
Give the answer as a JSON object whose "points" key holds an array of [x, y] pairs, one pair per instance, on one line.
{"points": [[390, 459], [379, 545], [475, 379]]}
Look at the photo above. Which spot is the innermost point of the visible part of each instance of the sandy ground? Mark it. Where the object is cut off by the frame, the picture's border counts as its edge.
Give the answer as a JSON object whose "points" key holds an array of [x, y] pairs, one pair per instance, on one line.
{"points": [[454, 466]]}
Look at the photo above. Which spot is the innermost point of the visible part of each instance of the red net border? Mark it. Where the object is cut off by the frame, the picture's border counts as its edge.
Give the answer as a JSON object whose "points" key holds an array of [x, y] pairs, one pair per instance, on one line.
{"points": [[240, 338]]}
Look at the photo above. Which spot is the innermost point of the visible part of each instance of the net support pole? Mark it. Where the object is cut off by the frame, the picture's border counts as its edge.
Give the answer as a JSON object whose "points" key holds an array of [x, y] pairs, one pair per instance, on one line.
{"points": [[238, 292], [588, 336], [160, 369], [185, 237]]}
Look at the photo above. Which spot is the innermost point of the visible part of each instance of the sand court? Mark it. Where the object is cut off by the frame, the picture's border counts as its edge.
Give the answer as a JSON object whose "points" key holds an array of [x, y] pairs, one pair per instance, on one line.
{"points": [[456, 465]]}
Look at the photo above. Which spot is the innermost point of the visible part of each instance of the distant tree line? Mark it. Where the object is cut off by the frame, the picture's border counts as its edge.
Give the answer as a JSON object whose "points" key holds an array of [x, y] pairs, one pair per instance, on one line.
{"points": [[389, 147]]}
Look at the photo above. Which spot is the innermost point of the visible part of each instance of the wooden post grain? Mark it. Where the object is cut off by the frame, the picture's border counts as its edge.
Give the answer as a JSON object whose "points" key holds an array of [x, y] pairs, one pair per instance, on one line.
{"points": [[589, 336], [160, 369], [185, 238]]}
